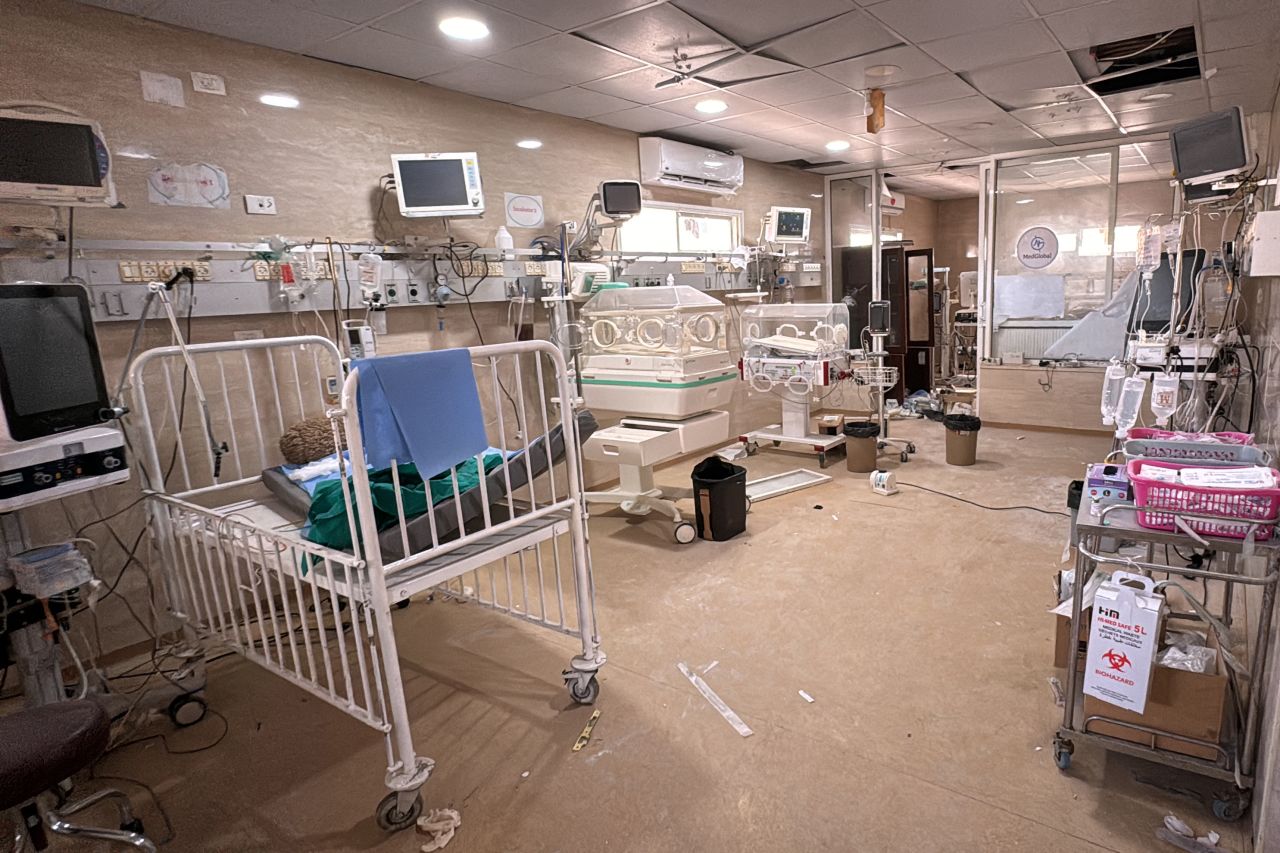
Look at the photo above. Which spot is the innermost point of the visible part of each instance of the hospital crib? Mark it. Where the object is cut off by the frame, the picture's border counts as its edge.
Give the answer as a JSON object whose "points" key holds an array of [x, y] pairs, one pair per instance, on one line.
{"points": [[240, 573]]}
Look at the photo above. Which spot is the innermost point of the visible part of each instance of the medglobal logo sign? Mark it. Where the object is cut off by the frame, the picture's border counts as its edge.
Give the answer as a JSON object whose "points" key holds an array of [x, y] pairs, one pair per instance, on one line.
{"points": [[1037, 248]]}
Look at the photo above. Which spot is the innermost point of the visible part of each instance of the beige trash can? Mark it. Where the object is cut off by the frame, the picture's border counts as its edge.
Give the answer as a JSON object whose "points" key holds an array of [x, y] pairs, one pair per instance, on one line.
{"points": [[860, 446], [962, 439]]}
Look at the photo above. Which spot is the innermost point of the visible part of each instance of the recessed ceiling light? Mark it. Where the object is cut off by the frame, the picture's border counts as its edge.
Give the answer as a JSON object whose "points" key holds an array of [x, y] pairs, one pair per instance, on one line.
{"points": [[1024, 201], [838, 145], [467, 29], [711, 106], [287, 101], [883, 71], [815, 195], [529, 143], [1156, 96]]}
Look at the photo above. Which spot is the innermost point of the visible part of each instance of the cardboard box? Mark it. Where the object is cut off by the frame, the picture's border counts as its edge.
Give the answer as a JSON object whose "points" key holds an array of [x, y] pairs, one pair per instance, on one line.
{"points": [[1123, 639], [1190, 704], [1062, 641]]}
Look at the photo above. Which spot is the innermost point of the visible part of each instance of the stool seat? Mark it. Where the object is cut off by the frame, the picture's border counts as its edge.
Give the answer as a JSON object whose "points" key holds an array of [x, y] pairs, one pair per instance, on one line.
{"points": [[39, 747]]}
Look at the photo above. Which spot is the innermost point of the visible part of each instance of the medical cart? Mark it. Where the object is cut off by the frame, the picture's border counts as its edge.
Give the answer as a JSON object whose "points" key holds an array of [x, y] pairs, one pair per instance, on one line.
{"points": [[1236, 756]]}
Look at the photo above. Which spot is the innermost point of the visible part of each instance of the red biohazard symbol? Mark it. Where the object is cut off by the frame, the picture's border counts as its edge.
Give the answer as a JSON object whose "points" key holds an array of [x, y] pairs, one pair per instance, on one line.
{"points": [[1118, 660]]}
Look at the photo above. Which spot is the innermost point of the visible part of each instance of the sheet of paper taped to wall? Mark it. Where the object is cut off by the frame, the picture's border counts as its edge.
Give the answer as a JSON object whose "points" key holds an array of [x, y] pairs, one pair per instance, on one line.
{"points": [[160, 88], [190, 185]]}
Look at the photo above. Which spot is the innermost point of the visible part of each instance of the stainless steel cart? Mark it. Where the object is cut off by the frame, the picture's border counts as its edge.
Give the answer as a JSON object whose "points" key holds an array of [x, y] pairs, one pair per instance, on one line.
{"points": [[1236, 756]]}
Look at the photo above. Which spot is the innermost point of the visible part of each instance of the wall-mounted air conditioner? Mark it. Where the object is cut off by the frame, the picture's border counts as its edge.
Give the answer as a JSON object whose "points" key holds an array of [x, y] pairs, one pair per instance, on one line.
{"points": [[666, 163]]}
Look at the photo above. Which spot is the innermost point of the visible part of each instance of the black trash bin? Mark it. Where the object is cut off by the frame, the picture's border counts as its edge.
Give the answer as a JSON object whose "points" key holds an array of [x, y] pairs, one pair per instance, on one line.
{"points": [[719, 499]]}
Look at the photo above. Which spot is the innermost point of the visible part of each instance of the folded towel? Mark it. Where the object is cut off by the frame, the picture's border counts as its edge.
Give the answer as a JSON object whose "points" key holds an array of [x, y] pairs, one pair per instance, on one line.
{"points": [[422, 408]]}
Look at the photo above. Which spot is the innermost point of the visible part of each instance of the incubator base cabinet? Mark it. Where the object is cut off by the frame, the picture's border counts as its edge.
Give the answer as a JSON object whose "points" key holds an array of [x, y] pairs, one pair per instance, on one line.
{"points": [[796, 352], [661, 355]]}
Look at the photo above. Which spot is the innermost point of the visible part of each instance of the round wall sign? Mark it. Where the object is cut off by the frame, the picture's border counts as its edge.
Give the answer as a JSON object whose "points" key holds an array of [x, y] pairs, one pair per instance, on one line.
{"points": [[1037, 248], [524, 211]]}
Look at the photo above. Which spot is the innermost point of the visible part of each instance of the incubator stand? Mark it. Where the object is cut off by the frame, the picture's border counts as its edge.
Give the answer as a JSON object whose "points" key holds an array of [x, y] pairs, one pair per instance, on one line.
{"points": [[661, 355], [795, 352]]}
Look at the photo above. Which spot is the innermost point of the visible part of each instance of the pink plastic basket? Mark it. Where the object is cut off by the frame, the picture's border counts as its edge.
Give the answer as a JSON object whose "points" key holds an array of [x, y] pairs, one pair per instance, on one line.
{"points": [[1158, 503], [1151, 433]]}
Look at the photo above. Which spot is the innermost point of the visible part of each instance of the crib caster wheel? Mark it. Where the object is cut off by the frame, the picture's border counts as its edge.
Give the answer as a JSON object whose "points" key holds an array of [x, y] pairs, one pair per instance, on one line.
{"points": [[752, 448], [748, 503], [1232, 807], [904, 457], [685, 533], [134, 826], [389, 816], [187, 710], [911, 448], [584, 693], [1062, 750], [401, 605]]}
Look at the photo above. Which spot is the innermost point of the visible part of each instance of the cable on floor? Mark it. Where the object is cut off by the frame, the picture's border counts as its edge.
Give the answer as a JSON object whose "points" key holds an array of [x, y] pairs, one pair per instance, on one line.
{"points": [[984, 506]]}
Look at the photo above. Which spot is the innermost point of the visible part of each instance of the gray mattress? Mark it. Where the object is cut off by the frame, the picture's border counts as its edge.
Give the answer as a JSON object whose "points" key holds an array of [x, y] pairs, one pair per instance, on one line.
{"points": [[418, 528]]}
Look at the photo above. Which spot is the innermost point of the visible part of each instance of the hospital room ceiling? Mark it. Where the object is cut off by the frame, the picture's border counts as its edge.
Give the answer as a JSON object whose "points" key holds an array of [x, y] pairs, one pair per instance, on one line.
{"points": [[962, 78]]}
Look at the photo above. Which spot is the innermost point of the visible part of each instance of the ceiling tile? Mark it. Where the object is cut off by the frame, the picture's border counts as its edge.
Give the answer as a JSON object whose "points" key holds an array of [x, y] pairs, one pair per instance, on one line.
{"points": [[1119, 19], [772, 152], [1041, 80], [992, 138], [128, 7], [688, 106], [271, 24], [379, 51], [642, 86], [763, 121], [914, 64], [1183, 90], [790, 88], [814, 137], [356, 13], [1167, 112], [745, 69], [749, 22], [422, 22], [1077, 126], [852, 34], [973, 108], [999, 45], [848, 105], [858, 123], [566, 58], [1240, 30], [1249, 101], [931, 90], [497, 82], [657, 34], [643, 119], [1056, 113], [924, 20], [576, 102], [562, 14], [719, 137], [908, 136], [1261, 59]]}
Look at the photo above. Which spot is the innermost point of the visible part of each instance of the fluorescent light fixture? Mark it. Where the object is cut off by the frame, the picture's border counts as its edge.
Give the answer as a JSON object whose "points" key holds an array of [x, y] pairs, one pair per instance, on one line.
{"points": [[135, 154], [467, 29], [815, 195], [711, 106], [529, 143], [1024, 201], [278, 100], [838, 145]]}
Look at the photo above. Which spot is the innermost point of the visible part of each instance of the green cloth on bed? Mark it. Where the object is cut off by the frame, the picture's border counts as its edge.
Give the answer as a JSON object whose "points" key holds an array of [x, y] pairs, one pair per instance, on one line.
{"points": [[327, 518]]}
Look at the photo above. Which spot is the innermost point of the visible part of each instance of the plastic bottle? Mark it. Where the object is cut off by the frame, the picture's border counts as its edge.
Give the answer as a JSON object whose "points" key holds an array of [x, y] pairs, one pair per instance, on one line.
{"points": [[503, 240], [1130, 403], [1164, 397], [671, 279], [1112, 383]]}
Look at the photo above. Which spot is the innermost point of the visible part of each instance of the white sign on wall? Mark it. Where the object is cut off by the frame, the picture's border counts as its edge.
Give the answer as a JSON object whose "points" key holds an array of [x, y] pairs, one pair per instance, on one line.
{"points": [[1037, 248], [524, 211]]}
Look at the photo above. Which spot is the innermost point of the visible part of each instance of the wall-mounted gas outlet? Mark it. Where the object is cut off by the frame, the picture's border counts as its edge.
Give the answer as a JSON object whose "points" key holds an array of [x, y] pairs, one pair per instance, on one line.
{"points": [[263, 205]]}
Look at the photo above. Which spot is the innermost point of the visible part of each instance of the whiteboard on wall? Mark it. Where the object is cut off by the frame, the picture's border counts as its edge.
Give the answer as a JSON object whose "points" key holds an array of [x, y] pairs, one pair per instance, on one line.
{"points": [[1030, 297]]}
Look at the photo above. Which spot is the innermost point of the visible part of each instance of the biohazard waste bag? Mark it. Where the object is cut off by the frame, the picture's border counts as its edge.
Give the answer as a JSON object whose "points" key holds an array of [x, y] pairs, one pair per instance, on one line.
{"points": [[1122, 641]]}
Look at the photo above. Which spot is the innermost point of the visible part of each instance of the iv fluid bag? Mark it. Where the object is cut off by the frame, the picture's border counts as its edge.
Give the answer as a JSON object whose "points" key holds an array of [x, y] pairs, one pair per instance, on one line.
{"points": [[1164, 397], [1215, 289], [1112, 382], [1130, 402]]}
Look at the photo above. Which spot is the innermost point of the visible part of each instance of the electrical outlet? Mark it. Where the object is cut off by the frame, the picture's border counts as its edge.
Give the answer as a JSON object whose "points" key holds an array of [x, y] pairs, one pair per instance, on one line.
{"points": [[413, 293], [263, 205], [534, 268], [496, 269], [392, 293], [570, 227]]}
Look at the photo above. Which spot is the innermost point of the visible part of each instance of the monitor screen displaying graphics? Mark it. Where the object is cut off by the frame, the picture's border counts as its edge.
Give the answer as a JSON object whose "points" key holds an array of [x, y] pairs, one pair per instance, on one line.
{"points": [[788, 225], [1209, 147], [438, 184], [51, 158]]}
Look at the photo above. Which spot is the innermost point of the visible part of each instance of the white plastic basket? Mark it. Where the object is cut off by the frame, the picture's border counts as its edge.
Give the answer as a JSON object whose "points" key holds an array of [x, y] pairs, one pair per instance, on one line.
{"points": [[879, 377]]}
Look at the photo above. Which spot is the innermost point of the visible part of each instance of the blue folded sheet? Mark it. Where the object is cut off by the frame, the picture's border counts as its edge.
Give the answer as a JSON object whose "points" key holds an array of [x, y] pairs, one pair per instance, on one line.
{"points": [[422, 408]]}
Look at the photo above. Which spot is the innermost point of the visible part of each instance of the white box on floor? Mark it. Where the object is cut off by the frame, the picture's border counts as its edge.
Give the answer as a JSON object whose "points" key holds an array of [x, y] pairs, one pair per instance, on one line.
{"points": [[1123, 637]]}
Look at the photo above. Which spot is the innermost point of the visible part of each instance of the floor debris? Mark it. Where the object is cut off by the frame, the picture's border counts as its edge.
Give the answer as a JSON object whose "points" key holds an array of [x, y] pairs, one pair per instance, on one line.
{"points": [[806, 697], [1059, 695], [716, 702], [586, 731], [439, 825]]}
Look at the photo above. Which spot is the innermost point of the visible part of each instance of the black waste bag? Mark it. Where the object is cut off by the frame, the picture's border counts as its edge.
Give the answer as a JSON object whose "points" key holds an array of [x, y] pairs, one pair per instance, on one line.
{"points": [[861, 429], [719, 499], [962, 423]]}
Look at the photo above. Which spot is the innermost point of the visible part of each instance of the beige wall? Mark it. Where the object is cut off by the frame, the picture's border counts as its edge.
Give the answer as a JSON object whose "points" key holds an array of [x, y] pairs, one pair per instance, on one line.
{"points": [[956, 236], [322, 163]]}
